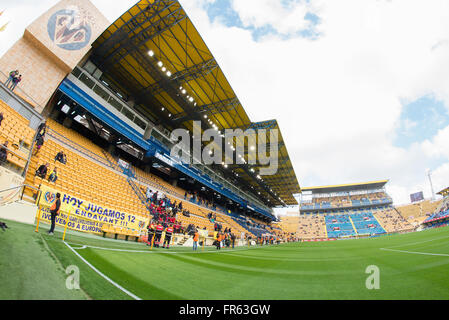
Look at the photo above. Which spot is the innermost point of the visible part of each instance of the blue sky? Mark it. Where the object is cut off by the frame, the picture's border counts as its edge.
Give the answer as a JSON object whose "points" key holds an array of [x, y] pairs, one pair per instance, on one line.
{"points": [[223, 11], [421, 120]]}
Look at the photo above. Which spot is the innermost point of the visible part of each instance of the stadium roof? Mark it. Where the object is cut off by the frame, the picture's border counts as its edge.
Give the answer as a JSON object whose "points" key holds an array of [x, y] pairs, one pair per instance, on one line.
{"points": [[154, 55], [348, 187], [444, 192]]}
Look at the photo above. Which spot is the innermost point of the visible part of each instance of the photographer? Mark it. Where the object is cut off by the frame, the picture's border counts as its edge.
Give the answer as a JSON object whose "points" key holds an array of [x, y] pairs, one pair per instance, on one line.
{"points": [[54, 210], [3, 226]]}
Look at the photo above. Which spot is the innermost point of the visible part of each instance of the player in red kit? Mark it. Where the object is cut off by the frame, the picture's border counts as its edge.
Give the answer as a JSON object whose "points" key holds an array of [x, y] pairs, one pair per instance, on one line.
{"points": [[168, 235]]}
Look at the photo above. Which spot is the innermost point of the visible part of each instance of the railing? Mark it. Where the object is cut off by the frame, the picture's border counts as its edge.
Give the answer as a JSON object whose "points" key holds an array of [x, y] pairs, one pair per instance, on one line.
{"points": [[19, 92], [20, 188], [27, 160], [139, 194], [57, 136]]}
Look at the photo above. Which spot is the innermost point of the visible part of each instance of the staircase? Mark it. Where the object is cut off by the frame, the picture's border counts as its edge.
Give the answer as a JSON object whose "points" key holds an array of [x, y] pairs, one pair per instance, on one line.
{"points": [[184, 240], [139, 194], [111, 160], [129, 172], [399, 213]]}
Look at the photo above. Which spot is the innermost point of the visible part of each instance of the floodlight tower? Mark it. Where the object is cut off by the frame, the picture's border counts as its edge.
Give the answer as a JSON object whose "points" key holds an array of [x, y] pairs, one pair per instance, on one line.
{"points": [[429, 175]]}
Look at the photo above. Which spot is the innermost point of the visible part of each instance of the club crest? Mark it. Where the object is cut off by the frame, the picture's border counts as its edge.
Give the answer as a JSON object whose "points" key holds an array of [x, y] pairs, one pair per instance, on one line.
{"points": [[49, 197], [70, 28]]}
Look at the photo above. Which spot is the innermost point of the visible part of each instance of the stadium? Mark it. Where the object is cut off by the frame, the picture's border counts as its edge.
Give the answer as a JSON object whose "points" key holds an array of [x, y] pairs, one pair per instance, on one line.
{"points": [[92, 154]]}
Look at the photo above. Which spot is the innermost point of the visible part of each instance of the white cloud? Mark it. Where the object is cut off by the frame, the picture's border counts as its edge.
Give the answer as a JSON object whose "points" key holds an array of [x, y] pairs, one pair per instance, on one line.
{"points": [[338, 99], [284, 18]]}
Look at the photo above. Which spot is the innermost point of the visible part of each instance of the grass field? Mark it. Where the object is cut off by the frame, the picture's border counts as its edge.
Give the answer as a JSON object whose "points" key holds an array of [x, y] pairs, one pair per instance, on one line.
{"points": [[414, 266]]}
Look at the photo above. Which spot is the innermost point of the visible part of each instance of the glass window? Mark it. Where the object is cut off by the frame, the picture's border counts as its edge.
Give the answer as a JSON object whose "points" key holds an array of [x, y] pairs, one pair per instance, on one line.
{"points": [[87, 81], [140, 123], [117, 105], [76, 72], [101, 92], [128, 114]]}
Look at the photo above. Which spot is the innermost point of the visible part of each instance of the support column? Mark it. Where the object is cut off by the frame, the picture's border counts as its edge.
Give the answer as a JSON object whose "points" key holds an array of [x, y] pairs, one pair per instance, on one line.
{"points": [[111, 149], [148, 131], [67, 122]]}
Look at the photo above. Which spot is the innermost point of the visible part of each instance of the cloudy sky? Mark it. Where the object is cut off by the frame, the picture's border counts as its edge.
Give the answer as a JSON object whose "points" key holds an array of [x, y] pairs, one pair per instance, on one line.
{"points": [[360, 88]]}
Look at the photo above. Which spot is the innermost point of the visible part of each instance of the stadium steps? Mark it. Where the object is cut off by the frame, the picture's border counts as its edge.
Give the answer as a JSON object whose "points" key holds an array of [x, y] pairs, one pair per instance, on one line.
{"points": [[139, 194], [380, 224], [353, 225]]}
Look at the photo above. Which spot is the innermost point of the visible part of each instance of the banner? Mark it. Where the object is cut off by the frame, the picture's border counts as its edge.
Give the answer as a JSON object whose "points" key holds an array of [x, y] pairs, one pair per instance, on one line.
{"points": [[89, 215], [75, 223], [203, 233]]}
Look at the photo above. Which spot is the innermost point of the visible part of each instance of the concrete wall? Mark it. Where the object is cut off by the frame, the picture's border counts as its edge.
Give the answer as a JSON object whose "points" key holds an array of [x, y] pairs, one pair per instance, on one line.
{"points": [[9, 179], [52, 46]]}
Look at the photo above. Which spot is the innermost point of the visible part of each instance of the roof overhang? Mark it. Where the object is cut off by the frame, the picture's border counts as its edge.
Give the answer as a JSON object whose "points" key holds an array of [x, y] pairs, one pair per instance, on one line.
{"points": [[155, 55], [348, 187]]}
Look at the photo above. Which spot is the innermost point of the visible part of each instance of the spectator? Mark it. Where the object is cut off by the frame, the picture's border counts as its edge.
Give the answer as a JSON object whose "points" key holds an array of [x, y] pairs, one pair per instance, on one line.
{"points": [[3, 152], [12, 76], [218, 241], [1, 118], [61, 157], [41, 172], [39, 143], [149, 194], [42, 129], [155, 196], [54, 211], [53, 176], [196, 237], [16, 82], [233, 240], [3, 226]]}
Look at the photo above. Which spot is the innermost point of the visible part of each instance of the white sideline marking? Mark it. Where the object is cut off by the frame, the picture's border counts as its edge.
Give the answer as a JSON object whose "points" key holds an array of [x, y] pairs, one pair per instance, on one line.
{"points": [[165, 252], [102, 275], [421, 253]]}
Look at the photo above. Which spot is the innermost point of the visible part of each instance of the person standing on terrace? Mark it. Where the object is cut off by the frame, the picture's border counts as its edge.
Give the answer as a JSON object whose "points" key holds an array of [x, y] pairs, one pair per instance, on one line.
{"points": [[12, 76]]}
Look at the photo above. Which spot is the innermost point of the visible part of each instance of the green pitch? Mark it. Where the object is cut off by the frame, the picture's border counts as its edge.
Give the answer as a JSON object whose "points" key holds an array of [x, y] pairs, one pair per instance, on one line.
{"points": [[412, 266]]}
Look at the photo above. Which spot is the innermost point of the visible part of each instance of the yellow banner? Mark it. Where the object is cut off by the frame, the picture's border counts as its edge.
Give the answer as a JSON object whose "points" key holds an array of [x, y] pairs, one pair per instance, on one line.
{"points": [[75, 222], [89, 214]]}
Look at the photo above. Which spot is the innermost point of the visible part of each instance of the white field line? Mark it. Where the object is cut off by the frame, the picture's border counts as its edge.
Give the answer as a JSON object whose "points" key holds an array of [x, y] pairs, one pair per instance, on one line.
{"points": [[102, 275], [420, 253], [166, 252]]}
